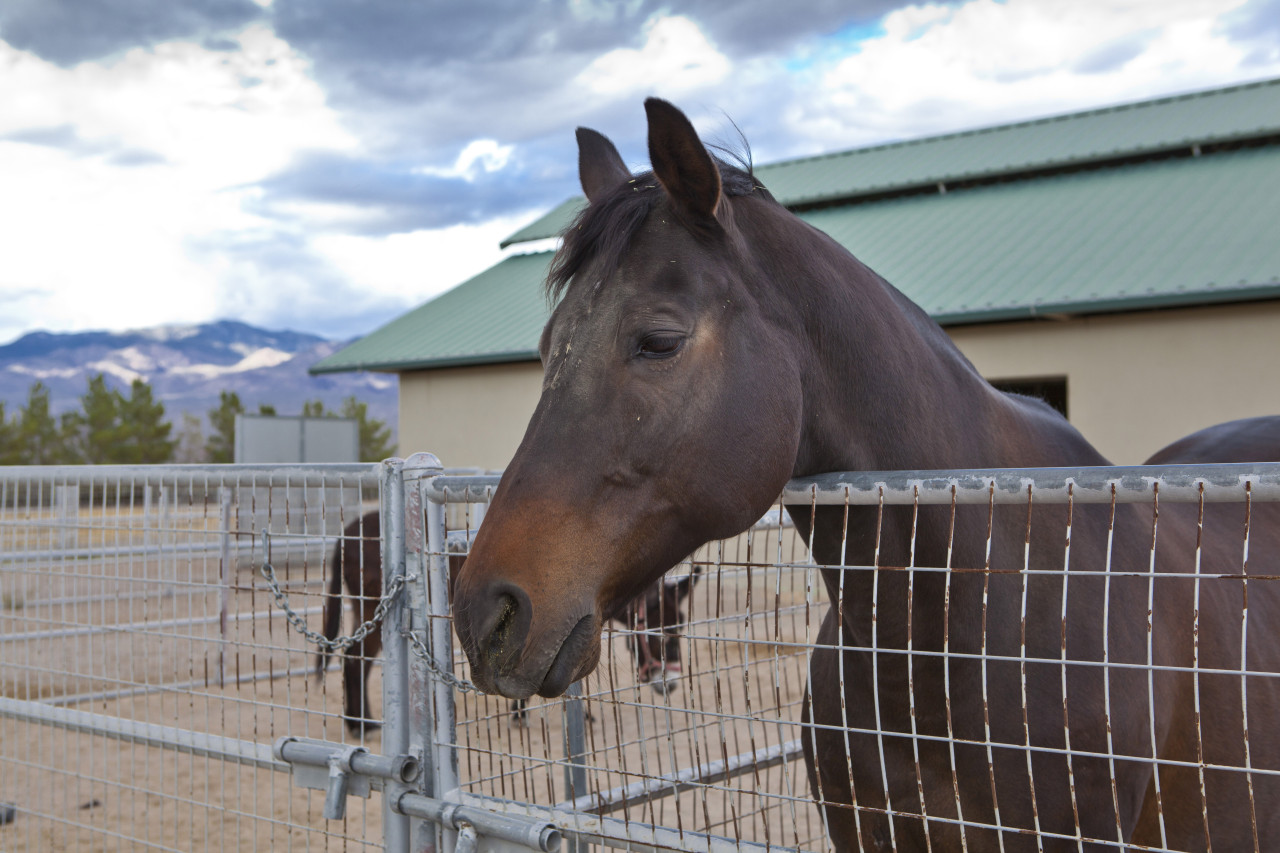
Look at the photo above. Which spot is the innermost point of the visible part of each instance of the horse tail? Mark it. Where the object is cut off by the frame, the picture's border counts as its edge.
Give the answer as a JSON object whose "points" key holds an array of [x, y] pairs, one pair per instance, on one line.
{"points": [[332, 604]]}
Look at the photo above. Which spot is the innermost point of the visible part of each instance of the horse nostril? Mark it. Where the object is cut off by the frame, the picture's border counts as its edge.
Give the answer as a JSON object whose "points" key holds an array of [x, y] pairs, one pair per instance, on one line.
{"points": [[499, 643], [502, 624]]}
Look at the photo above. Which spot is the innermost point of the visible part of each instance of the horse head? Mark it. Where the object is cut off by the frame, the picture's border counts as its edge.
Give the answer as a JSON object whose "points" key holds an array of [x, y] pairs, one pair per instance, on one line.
{"points": [[669, 415]]}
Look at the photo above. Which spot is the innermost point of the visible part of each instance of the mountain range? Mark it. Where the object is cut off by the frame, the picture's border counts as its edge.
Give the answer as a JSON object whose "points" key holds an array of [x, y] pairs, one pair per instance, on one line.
{"points": [[187, 367]]}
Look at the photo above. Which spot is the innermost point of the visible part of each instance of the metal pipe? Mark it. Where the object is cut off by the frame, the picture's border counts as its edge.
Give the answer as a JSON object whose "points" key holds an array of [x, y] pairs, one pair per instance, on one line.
{"points": [[303, 474], [144, 627], [395, 732], [240, 752], [528, 832], [317, 753], [1178, 483], [670, 784]]}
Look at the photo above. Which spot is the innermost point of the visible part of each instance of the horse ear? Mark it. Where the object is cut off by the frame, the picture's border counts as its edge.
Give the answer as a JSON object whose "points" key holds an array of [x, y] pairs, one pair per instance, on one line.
{"points": [[600, 167], [680, 160]]}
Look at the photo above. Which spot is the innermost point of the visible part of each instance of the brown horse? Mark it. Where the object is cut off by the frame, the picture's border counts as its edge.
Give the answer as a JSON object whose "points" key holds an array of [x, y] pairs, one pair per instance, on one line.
{"points": [[708, 346], [1245, 440], [656, 618], [357, 560]]}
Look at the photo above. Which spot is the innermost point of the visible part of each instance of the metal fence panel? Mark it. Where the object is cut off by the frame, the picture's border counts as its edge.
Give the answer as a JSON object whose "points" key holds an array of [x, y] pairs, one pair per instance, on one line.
{"points": [[153, 690], [714, 761], [145, 669]]}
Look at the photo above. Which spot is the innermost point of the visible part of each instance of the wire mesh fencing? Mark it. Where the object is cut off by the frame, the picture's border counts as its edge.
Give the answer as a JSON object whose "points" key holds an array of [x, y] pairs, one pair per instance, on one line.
{"points": [[1020, 647], [142, 656]]}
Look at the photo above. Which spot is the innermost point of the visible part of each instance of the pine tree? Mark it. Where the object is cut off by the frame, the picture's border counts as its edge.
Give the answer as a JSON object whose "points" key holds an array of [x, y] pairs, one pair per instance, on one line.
{"points": [[375, 435], [40, 442], [10, 453], [98, 423], [315, 409], [222, 443], [144, 431]]}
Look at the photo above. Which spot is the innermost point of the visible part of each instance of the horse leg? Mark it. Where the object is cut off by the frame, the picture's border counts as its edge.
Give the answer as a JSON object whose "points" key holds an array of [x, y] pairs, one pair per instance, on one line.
{"points": [[355, 678]]}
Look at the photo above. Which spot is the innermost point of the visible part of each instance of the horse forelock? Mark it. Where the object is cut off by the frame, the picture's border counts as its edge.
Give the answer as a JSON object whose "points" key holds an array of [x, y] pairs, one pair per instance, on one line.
{"points": [[603, 230]]}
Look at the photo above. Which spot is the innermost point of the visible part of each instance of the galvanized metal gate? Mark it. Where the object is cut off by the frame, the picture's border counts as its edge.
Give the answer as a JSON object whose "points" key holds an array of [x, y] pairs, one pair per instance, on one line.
{"points": [[152, 693]]}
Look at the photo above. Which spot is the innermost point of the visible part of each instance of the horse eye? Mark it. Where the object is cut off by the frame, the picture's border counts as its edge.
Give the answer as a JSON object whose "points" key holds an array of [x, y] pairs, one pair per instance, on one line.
{"points": [[660, 345]]}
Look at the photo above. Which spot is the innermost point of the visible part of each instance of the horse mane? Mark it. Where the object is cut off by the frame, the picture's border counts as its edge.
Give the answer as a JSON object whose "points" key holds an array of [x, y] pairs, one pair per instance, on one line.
{"points": [[603, 229]]}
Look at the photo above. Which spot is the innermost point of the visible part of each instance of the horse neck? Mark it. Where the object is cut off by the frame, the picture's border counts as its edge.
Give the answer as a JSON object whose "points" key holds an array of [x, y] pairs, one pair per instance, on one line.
{"points": [[885, 388]]}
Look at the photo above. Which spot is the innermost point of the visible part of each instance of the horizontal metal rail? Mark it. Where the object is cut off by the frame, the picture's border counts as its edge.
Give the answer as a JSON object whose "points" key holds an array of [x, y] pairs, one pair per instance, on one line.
{"points": [[186, 686], [243, 476], [148, 734], [670, 784], [246, 541], [625, 834], [1124, 484], [146, 627]]}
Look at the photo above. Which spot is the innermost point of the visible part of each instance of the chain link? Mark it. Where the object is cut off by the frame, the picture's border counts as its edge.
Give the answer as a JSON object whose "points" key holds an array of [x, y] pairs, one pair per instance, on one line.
{"points": [[420, 649], [337, 644]]}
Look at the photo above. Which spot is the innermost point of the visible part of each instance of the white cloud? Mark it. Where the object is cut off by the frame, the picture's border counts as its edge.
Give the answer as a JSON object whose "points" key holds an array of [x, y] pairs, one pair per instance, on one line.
{"points": [[479, 156], [94, 244], [418, 265], [676, 58], [940, 68]]}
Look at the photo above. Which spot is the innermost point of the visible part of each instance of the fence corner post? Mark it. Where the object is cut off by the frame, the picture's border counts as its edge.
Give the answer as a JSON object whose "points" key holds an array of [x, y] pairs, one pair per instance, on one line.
{"points": [[422, 711]]}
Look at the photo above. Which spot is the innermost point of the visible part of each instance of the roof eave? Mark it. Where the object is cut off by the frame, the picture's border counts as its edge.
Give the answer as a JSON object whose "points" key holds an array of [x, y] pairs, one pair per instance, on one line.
{"points": [[1114, 305], [401, 366]]}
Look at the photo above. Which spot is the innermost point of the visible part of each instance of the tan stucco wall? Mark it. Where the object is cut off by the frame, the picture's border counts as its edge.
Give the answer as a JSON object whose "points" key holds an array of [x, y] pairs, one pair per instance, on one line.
{"points": [[468, 416], [1135, 382]]}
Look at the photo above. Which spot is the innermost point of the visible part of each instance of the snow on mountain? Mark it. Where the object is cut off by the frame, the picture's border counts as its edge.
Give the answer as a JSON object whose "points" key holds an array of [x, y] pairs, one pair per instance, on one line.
{"points": [[187, 367]]}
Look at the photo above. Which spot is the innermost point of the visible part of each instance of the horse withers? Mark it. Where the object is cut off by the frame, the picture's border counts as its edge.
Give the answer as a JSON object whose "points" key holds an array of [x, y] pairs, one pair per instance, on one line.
{"points": [[707, 346], [654, 620]]}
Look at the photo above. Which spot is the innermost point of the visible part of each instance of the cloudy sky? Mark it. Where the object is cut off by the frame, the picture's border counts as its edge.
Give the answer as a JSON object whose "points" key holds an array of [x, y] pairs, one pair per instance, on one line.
{"points": [[324, 165]]}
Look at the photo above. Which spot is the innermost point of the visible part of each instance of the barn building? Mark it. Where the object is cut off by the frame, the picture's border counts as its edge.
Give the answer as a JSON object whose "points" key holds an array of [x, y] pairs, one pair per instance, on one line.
{"points": [[1123, 263]]}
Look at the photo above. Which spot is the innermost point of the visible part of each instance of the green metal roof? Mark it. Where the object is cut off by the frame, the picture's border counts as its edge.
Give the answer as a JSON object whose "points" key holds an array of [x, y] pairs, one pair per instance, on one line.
{"points": [[1215, 117], [1163, 233]]}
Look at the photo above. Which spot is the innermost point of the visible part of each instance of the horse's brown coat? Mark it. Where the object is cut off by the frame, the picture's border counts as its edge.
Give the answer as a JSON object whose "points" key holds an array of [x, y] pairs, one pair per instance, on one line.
{"points": [[709, 346]]}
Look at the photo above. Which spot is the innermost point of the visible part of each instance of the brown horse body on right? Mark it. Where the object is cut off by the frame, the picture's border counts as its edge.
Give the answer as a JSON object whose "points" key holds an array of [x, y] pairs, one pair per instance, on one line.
{"points": [[708, 346]]}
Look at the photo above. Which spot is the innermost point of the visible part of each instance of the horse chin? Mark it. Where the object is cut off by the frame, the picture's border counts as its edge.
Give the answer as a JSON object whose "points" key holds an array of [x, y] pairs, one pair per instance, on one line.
{"points": [[577, 657]]}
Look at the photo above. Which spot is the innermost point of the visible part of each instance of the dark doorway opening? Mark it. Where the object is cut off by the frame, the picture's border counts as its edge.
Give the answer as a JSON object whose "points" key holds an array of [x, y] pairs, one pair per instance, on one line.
{"points": [[1052, 389]]}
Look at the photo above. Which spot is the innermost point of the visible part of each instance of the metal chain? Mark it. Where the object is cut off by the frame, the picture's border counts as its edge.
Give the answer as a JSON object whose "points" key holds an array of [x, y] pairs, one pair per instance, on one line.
{"points": [[420, 649], [337, 644]]}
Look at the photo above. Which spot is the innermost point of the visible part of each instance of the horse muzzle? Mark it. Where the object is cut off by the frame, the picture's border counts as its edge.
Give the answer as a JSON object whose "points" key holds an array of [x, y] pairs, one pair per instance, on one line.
{"points": [[515, 655]]}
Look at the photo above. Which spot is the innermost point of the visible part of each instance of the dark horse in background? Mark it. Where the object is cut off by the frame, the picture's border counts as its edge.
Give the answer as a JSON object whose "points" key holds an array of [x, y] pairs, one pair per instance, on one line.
{"points": [[656, 616], [1245, 440], [708, 346]]}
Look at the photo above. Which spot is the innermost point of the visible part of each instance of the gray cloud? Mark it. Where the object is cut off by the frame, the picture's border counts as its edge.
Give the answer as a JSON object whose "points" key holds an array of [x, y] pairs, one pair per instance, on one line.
{"points": [[1256, 24], [68, 32], [65, 137], [277, 282], [1114, 54], [391, 197]]}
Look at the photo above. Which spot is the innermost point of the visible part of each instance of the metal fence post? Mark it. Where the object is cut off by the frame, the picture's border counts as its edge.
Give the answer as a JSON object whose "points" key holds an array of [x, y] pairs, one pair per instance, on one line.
{"points": [[395, 675], [423, 710], [438, 694], [575, 754], [226, 571]]}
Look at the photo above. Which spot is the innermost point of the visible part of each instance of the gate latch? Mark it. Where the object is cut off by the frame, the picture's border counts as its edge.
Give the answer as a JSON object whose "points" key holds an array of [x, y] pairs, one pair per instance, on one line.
{"points": [[340, 783], [342, 770]]}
